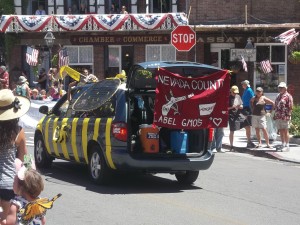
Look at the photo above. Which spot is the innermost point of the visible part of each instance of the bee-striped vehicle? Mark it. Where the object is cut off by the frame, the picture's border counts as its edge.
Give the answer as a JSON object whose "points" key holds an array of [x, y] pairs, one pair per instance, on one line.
{"points": [[101, 126]]}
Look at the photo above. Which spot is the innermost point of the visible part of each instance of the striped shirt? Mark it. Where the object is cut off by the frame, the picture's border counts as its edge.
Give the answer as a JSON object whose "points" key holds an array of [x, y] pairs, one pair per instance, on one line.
{"points": [[7, 166]]}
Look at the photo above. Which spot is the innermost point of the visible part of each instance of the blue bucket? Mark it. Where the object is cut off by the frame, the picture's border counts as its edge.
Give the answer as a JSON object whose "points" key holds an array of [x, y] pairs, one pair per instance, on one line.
{"points": [[268, 107], [179, 142]]}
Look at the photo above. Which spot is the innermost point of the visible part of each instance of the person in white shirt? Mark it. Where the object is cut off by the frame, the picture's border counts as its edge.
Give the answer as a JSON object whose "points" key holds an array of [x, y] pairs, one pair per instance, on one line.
{"points": [[40, 10]]}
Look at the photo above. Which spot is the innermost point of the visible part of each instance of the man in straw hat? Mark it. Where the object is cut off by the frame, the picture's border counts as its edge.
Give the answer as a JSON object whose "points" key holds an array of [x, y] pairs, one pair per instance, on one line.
{"points": [[282, 116], [22, 88], [237, 121], [4, 78], [12, 143]]}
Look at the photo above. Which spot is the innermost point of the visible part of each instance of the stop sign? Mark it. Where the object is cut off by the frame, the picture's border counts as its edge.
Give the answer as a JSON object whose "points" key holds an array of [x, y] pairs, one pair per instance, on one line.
{"points": [[183, 38]]}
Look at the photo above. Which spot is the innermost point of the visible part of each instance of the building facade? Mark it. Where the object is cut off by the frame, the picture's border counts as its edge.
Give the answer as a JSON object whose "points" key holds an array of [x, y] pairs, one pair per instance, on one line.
{"points": [[106, 42]]}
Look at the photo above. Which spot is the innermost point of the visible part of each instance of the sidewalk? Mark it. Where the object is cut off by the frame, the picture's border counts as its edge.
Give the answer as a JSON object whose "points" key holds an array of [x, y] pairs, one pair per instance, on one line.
{"points": [[240, 142]]}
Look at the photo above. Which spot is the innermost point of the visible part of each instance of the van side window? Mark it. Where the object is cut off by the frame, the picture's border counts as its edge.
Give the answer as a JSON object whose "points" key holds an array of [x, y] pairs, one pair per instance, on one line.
{"points": [[105, 110]]}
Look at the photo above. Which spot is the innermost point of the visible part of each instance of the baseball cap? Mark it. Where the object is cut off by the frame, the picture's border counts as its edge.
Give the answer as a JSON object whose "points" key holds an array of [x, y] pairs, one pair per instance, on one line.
{"points": [[234, 89], [260, 89], [282, 84]]}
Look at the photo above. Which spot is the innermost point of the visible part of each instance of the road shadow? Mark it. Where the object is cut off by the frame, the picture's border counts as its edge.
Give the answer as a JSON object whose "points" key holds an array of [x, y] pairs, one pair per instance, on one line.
{"points": [[68, 173]]}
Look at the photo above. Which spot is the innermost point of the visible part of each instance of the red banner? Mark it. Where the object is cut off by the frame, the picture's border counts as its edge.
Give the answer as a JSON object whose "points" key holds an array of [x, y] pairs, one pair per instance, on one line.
{"points": [[191, 103]]}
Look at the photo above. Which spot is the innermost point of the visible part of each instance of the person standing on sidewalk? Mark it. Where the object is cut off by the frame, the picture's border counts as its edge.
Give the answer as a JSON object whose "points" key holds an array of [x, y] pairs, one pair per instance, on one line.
{"points": [[216, 145], [282, 116], [246, 111], [4, 78], [236, 120], [12, 143], [259, 120]]}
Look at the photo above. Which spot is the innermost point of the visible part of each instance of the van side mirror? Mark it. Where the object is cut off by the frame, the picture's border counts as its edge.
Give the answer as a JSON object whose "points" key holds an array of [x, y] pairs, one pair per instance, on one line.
{"points": [[44, 109]]}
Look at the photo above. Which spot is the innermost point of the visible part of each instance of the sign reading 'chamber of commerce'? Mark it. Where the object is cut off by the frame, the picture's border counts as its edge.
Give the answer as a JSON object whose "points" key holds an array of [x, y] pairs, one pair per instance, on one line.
{"points": [[120, 39]]}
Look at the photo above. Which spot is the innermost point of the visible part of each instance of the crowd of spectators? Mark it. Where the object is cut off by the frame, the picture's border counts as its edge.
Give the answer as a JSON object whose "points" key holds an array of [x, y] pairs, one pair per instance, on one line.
{"points": [[47, 86], [81, 7]]}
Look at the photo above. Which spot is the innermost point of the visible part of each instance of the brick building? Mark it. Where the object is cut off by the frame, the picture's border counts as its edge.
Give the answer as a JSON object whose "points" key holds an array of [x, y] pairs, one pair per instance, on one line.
{"points": [[222, 27]]}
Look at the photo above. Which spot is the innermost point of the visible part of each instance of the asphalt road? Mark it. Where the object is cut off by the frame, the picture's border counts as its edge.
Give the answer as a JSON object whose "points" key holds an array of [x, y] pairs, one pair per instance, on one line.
{"points": [[237, 189]]}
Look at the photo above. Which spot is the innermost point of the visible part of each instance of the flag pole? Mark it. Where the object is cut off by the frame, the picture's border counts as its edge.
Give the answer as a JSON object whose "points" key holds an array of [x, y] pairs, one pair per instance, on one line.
{"points": [[246, 15]]}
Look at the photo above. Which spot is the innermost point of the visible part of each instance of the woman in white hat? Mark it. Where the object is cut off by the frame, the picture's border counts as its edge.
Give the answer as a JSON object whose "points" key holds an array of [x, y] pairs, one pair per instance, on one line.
{"points": [[282, 116], [12, 143]]}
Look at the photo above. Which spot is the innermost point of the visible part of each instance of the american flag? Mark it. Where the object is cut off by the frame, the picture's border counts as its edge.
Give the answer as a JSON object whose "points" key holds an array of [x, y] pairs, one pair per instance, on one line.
{"points": [[244, 64], [266, 66], [287, 37], [32, 56], [63, 57]]}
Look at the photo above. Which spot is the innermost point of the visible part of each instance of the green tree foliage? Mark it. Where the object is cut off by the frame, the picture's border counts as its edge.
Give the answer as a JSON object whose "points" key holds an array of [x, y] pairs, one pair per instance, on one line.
{"points": [[295, 125], [7, 8]]}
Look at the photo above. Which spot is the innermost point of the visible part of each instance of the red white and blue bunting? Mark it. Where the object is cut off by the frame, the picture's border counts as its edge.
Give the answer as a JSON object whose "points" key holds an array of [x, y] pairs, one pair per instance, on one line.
{"points": [[33, 23], [5, 22], [10, 23], [149, 21], [110, 22], [71, 22], [179, 18]]}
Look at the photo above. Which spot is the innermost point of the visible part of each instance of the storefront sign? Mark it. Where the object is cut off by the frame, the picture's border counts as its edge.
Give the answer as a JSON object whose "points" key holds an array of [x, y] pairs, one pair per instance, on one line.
{"points": [[237, 53], [231, 39], [120, 39]]}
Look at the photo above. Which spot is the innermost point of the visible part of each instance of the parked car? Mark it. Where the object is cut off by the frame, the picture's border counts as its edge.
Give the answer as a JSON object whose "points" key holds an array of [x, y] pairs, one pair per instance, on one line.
{"points": [[105, 124]]}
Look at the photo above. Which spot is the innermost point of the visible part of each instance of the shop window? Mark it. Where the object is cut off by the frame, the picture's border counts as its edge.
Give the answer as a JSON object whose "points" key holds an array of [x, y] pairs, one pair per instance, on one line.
{"points": [[80, 55], [161, 6], [160, 53], [77, 6], [276, 54], [30, 7], [117, 6]]}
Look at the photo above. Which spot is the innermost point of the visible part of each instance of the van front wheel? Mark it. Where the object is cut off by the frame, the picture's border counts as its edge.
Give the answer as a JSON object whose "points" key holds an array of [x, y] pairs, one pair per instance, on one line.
{"points": [[41, 156], [187, 177]]}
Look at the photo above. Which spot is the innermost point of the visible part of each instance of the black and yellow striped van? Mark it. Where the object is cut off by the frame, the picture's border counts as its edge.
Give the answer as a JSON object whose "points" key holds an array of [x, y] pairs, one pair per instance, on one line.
{"points": [[100, 127]]}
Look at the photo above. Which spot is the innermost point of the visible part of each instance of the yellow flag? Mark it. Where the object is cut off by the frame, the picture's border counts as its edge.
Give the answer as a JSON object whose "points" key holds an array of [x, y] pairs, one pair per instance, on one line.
{"points": [[71, 72]]}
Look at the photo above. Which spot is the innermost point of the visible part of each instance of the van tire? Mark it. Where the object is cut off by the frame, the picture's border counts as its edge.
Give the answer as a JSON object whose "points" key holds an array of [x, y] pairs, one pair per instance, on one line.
{"points": [[98, 169], [41, 156], [188, 177]]}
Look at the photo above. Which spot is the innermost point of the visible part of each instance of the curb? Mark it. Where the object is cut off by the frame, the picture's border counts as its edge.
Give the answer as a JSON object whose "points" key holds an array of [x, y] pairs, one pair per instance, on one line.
{"points": [[295, 140], [260, 153]]}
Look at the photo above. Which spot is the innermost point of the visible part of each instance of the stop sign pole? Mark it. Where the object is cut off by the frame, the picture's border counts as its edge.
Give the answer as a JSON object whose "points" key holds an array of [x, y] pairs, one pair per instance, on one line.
{"points": [[183, 38]]}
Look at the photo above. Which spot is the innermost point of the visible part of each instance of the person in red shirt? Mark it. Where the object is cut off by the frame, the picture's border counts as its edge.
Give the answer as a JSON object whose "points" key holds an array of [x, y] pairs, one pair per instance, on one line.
{"points": [[4, 78], [282, 116]]}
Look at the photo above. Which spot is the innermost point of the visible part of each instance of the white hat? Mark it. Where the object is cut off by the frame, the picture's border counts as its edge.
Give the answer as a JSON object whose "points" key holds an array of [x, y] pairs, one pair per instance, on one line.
{"points": [[22, 80], [246, 82], [3, 68], [260, 89], [282, 84], [12, 107]]}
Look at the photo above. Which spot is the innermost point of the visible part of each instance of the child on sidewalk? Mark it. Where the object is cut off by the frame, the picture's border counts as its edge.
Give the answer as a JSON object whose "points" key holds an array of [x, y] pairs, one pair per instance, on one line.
{"points": [[28, 185]]}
